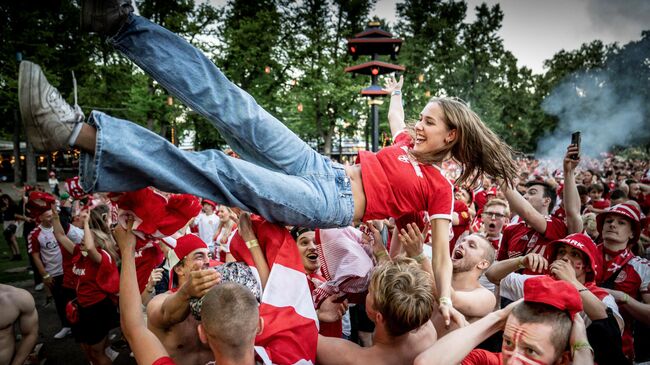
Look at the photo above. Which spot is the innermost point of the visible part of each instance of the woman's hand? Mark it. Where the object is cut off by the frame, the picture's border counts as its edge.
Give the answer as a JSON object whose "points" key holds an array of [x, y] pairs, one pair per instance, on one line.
{"points": [[391, 84]]}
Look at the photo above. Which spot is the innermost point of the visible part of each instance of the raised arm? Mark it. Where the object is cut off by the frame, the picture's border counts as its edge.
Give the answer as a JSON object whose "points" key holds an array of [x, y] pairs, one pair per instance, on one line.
{"points": [[396, 109], [28, 326], [570, 195], [146, 347], [453, 347], [526, 211], [500, 269], [59, 233], [248, 235]]}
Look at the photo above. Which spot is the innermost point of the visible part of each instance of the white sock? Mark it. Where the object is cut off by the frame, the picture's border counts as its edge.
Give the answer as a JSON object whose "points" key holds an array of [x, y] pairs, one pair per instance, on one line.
{"points": [[75, 134]]}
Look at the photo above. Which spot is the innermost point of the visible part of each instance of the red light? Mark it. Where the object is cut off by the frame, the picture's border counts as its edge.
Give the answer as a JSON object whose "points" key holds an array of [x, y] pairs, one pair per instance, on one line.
{"points": [[353, 49], [374, 71]]}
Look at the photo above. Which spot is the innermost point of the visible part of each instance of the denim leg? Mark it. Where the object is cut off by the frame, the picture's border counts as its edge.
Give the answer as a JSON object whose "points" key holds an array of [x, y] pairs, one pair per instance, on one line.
{"points": [[130, 157], [191, 77]]}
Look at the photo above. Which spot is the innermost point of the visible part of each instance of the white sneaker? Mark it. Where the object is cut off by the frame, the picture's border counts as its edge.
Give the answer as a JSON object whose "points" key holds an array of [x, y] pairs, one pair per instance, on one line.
{"points": [[65, 331], [112, 354], [39, 286], [48, 119]]}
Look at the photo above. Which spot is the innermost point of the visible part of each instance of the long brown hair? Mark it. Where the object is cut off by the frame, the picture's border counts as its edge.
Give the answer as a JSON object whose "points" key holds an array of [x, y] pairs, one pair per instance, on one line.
{"points": [[478, 149], [101, 231]]}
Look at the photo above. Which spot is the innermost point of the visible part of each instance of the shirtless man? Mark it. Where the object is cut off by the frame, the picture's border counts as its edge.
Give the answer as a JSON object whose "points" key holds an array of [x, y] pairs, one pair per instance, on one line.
{"points": [[17, 306], [471, 257], [400, 303], [169, 313]]}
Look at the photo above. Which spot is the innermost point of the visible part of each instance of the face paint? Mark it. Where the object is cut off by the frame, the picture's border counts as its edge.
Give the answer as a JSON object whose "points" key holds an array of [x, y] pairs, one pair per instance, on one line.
{"points": [[527, 343]]}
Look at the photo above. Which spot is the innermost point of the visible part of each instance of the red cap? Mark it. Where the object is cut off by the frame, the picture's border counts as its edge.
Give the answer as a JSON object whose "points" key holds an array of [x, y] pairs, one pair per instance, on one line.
{"points": [[39, 203], [583, 243], [209, 202], [184, 246], [628, 211], [556, 293]]}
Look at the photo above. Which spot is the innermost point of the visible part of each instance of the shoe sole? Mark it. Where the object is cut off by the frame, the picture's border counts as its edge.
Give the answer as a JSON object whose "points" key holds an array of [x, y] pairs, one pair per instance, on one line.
{"points": [[29, 71]]}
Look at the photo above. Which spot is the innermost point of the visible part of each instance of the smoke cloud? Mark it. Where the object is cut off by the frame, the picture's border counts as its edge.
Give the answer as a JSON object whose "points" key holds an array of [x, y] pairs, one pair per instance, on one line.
{"points": [[609, 106]]}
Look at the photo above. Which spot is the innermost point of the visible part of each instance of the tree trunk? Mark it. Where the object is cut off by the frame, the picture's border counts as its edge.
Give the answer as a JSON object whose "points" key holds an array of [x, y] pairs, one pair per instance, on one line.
{"points": [[30, 160]]}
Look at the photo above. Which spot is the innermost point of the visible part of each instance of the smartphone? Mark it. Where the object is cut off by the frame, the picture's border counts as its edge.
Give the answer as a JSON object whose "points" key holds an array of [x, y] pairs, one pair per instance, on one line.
{"points": [[575, 140]]}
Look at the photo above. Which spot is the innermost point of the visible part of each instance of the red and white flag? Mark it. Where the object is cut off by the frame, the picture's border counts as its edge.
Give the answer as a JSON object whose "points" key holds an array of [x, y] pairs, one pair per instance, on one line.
{"points": [[290, 330]]}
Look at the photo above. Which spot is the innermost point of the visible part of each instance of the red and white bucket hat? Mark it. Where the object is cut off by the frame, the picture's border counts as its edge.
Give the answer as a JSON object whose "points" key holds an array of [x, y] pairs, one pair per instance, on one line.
{"points": [[628, 211]]}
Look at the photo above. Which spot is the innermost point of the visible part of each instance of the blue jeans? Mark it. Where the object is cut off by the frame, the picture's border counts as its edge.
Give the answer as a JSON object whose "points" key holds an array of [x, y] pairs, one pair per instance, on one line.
{"points": [[279, 176]]}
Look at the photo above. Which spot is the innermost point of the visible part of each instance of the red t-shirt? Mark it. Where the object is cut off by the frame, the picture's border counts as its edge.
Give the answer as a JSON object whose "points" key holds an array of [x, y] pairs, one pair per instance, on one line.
{"points": [[75, 234], [395, 184], [634, 280], [147, 257], [482, 357], [463, 222], [519, 239], [88, 290], [165, 360]]}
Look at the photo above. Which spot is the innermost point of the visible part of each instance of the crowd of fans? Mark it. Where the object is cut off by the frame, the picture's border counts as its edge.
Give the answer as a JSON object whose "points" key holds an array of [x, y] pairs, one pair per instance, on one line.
{"points": [[430, 251]]}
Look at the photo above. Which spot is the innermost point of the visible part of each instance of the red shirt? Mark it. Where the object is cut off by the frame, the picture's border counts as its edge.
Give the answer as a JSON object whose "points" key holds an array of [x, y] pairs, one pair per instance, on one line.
{"points": [[482, 357], [75, 234], [463, 222], [634, 280], [42, 241], [395, 184], [519, 239], [88, 290], [147, 257]]}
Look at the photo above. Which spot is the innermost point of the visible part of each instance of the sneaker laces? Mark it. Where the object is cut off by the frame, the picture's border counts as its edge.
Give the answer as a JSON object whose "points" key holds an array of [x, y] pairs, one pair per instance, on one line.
{"points": [[76, 106]]}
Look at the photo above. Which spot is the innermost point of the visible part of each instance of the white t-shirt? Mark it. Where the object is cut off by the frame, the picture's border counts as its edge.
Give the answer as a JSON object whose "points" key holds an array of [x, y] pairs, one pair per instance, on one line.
{"points": [[512, 287], [207, 225]]}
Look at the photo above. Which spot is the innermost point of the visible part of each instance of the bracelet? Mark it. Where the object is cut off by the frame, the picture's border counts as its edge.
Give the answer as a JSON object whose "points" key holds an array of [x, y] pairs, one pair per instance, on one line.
{"points": [[152, 290], [419, 258], [581, 345], [583, 289], [252, 243], [380, 254], [46, 276], [445, 301], [625, 298], [396, 92]]}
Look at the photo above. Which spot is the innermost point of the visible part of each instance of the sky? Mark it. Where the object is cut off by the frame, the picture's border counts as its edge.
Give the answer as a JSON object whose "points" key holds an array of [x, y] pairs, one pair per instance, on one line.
{"points": [[534, 30]]}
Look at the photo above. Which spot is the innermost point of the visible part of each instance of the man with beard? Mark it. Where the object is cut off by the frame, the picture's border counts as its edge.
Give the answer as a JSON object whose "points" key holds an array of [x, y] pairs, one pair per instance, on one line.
{"points": [[169, 313], [470, 258]]}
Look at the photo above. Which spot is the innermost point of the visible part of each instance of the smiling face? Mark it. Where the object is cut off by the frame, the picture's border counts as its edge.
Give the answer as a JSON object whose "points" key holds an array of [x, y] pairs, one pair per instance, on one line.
{"points": [[307, 248], [528, 343], [432, 134], [194, 260], [223, 213], [617, 229]]}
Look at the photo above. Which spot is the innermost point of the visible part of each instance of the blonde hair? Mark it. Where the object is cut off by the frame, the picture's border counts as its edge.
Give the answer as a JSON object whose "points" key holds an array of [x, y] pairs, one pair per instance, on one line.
{"points": [[403, 294], [102, 234], [501, 202], [479, 150]]}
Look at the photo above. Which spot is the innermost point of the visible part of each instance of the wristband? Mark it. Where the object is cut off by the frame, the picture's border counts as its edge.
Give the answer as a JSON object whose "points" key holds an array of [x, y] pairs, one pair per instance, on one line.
{"points": [[396, 92], [46, 276], [445, 301], [583, 289], [625, 298], [419, 258], [581, 345], [380, 254], [252, 243], [152, 290]]}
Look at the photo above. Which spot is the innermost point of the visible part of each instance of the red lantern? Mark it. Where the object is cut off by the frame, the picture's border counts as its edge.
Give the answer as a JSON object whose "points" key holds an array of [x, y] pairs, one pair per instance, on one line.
{"points": [[374, 71]]}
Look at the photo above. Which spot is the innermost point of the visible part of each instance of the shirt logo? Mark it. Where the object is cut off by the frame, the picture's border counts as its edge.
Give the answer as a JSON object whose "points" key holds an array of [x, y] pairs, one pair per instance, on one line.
{"points": [[406, 158], [78, 271]]}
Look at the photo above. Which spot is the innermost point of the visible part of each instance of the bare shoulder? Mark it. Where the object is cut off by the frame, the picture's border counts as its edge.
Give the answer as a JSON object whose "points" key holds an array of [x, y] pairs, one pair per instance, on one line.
{"points": [[154, 309], [21, 298], [337, 351]]}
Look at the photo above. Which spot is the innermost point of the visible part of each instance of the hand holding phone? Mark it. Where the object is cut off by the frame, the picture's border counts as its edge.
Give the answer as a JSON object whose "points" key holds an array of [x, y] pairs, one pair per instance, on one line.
{"points": [[575, 140]]}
